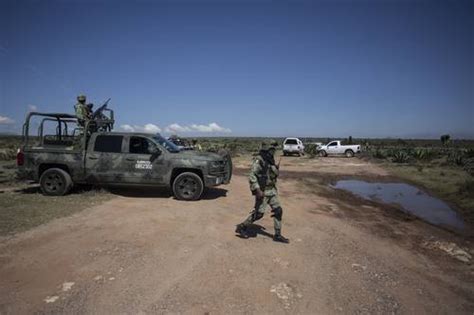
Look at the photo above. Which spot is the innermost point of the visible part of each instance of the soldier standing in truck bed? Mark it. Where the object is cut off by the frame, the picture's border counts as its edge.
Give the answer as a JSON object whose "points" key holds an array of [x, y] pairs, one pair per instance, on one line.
{"points": [[82, 111], [262, 179]]}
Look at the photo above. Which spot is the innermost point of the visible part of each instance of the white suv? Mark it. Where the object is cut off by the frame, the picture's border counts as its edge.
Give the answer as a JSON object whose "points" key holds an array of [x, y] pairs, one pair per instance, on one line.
{"points": [[293, 145]]}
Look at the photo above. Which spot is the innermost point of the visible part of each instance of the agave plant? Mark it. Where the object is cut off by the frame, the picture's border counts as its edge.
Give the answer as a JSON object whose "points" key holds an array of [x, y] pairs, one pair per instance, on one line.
{"points": [[456, 157], [469, 153], [423, 154], [379, 154], [391, 152], [469, 166], [400, 157], [419, 154]]}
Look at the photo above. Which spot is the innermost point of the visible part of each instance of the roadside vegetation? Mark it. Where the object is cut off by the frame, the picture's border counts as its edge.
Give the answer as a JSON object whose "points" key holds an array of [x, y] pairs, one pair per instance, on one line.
{"points": [[22, 206], [445, 167]]}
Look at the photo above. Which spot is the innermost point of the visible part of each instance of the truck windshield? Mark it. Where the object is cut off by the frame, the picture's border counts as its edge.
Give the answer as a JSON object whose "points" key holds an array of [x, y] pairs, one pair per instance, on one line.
{"points": [[168, 145]]}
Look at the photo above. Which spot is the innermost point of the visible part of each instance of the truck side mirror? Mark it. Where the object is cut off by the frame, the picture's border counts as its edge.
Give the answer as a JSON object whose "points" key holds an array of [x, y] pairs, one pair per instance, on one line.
{"points": [[155, 153]]}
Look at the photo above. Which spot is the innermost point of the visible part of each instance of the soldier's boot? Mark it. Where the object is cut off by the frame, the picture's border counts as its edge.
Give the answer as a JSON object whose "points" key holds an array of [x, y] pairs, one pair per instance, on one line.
{"points": [[241, 229], [277, 237]]}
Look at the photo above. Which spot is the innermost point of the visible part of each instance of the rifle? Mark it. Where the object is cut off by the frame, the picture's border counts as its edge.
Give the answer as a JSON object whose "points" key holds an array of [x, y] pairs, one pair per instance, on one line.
{"points": [[262, 179], [99, 111]]}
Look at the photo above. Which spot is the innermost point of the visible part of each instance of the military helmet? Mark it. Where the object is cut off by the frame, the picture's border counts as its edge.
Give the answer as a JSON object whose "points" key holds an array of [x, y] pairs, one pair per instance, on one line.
{"points": [[81, 98], [269, 145]]}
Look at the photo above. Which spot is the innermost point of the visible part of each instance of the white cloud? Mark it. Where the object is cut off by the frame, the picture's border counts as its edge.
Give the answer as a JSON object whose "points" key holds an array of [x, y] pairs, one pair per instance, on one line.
{"points": [[32, 108], [174, 128], [151, 128], [127, 128], [212, 127], [6, 121]]}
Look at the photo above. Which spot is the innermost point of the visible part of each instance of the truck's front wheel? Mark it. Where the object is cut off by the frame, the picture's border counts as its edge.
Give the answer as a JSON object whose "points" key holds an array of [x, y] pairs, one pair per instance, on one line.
{"points": [[55, 182], [188, 186]]}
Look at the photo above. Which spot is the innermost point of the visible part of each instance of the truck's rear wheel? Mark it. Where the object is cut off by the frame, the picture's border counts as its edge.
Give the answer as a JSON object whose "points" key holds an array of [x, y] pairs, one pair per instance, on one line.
{"points": [[323, 153], [55, 182], [188, 186], [349, 153]]}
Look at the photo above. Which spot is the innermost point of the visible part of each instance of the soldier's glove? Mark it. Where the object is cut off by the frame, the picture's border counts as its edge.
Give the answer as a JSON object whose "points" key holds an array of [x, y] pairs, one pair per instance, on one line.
{"points": [[258, 193]]}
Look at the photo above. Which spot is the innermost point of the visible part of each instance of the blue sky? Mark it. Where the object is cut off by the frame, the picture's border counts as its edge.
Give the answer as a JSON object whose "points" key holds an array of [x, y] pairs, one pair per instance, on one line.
{"points": [[245, 68]]}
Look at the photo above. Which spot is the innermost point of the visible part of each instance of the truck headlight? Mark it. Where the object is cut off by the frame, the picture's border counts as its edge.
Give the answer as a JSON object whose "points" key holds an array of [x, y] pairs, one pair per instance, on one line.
{"points": [[215, 164]]}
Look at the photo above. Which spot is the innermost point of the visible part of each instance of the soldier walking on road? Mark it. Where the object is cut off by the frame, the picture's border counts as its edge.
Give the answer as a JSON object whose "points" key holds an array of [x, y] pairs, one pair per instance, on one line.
{"points": [[262, 179]]}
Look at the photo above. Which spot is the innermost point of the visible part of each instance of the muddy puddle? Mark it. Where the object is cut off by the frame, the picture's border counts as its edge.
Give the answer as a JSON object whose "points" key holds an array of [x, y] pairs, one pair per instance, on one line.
{"points": [[410, 198]]}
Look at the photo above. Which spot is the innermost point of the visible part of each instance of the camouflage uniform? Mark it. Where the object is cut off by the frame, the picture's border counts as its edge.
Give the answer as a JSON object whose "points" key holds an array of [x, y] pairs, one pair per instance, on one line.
{"points": [[81, 109], [263, 177]]}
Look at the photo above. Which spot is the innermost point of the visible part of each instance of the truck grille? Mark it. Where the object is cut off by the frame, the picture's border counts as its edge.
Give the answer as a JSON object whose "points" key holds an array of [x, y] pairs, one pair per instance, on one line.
{"points": [[219, 169]]}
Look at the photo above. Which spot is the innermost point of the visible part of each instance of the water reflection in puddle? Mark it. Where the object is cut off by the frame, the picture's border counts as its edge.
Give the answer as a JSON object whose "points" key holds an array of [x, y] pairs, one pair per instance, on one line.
{"points": [[410, 198]]}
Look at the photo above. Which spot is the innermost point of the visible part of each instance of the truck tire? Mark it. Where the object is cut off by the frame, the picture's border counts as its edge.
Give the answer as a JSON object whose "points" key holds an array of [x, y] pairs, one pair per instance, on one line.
{"points": [[349, 153], [188, 186], [323, 153], [55, 182], [228, 166]]}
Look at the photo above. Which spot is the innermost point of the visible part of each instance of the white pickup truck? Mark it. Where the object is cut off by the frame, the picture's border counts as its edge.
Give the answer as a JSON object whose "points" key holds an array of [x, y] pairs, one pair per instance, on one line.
{"points": [[335, 147], [293, 145]]}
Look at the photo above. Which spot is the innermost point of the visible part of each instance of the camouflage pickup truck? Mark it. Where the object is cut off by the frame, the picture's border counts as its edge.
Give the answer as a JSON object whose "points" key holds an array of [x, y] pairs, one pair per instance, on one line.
{"points": [[93, 154]]}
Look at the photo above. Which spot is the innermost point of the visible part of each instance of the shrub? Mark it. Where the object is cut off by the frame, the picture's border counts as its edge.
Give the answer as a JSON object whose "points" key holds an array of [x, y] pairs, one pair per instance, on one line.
{"points": [[7, 154], [311, 149], [379, 154]]}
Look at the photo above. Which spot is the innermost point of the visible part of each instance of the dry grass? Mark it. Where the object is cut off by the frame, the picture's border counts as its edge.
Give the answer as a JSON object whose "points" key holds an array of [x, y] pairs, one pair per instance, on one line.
{"points": [[25, 208]]}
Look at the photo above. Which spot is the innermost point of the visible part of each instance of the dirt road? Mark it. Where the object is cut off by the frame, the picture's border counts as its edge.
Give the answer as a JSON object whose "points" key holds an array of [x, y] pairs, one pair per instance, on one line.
{"points": [[146, 252]]}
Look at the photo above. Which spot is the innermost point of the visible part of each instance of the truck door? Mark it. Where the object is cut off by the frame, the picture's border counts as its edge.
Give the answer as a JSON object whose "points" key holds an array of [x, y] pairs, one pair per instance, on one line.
{"points": [[104, 158], [145, 161], [332, 147]]}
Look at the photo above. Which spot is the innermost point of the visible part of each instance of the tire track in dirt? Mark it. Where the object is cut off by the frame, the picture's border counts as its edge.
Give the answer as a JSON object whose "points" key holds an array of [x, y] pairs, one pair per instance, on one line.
{"points": [[146, 253]]}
